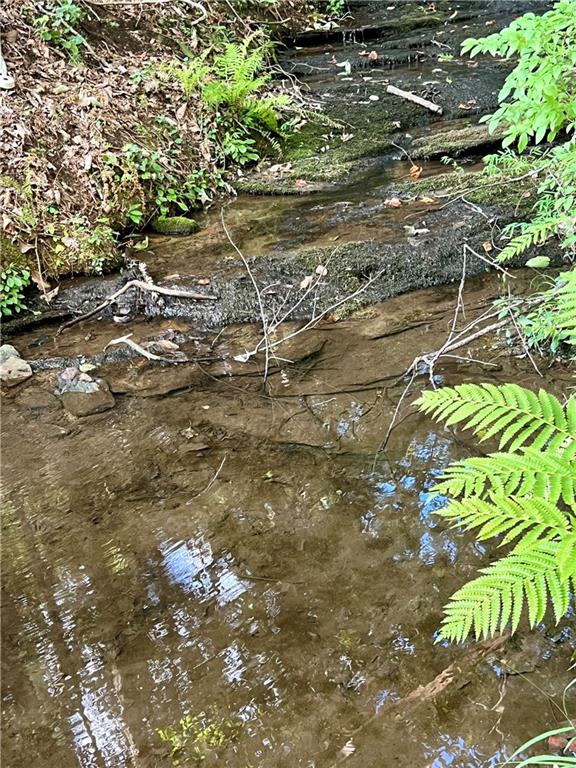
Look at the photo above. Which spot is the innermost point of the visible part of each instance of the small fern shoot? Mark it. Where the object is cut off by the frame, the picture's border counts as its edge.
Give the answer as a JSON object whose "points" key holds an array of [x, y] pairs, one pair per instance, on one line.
{"points": [[525, 495]]}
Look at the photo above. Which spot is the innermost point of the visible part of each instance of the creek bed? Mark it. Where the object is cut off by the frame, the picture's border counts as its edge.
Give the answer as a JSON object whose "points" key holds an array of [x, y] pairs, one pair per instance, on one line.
{"points": [[247, 559]]}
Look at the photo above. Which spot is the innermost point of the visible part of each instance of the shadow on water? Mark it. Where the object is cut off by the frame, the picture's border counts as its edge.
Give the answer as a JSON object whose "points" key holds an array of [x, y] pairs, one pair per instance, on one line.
{"points": [[236, 571]]}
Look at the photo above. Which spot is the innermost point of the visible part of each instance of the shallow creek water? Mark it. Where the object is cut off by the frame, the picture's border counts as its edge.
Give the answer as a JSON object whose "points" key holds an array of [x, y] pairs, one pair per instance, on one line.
{"points": [[244, 558], [241, 569]]}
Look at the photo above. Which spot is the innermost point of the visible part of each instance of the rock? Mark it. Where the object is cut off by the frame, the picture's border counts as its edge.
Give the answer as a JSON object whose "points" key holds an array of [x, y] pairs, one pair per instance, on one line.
{"points": [[174, 225], [7, 351], [14, 370], [94, 397]]}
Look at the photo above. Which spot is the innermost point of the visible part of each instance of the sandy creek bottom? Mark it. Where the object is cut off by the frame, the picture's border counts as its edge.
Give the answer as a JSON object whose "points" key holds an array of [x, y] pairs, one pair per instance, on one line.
{"points": [[210, 551]]}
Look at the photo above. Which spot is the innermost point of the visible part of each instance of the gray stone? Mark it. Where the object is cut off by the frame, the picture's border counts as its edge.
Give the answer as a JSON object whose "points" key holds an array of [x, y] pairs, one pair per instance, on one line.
{"points": [[84, 403], [7, 351], [14, 370]]}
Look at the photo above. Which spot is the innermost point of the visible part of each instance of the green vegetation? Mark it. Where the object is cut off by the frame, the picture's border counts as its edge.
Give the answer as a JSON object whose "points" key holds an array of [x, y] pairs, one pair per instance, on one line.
{"points": [[537, 103], [195, 737], [231, 87], [526, 495], [57, 26], [13, 283]]}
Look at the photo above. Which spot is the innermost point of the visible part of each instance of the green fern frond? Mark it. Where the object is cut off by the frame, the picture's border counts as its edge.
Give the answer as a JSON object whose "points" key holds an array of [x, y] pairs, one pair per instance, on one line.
{"points": [[535, 232], [521, 416], [525, 495], [547, 474], [491, 602], [533, 519]]}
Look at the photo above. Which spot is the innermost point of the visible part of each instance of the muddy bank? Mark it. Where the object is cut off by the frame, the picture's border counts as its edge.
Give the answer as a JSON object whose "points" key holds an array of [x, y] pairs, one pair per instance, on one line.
{"points": [[211, 550]]}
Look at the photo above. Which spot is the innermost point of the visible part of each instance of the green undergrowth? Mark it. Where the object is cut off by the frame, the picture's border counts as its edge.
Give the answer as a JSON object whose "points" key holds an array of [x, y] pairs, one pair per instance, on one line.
{"points": [[149, 139]]}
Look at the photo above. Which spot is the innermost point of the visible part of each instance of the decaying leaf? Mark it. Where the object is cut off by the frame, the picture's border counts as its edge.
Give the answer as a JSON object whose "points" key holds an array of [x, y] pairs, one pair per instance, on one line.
{"points": [[321, 270], [307, 282], [487, 246], [415, 172], [427, 200], [392, 202]]}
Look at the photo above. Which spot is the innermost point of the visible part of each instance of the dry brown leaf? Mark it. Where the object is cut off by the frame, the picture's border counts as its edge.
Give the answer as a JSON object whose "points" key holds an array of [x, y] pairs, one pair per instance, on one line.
{"points": [[372, 56], [487, 246], [300, 184], [203, 281], [415, 172], [307, 282], [392, 202], [427, 200], [321, 270]]}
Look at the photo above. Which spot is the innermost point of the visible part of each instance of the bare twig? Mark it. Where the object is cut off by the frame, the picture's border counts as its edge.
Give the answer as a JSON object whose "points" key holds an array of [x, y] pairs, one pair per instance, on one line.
{"points": [[258, 295], [143, 286], [144, 352], [211, 483]]}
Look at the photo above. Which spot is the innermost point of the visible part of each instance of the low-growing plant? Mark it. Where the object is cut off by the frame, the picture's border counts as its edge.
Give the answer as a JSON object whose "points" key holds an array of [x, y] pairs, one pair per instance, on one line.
{"points": [[13, 283], [524, 495], [58, 26], [537, 102]]}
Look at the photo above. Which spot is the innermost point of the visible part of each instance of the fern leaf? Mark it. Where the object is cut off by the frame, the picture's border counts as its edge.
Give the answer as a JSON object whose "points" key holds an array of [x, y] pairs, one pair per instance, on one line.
{"points": [[548, 474], [510, 515], [518, 413], [495, 599]]}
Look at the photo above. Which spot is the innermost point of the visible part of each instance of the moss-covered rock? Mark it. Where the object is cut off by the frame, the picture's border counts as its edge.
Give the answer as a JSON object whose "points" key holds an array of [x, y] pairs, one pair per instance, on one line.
{"points": [[10, 255], [174, 225]]}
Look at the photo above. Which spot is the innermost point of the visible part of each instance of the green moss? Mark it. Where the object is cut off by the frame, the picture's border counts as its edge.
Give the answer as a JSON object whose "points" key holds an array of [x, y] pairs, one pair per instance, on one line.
{"points": [[10, 255], [174, 225]]}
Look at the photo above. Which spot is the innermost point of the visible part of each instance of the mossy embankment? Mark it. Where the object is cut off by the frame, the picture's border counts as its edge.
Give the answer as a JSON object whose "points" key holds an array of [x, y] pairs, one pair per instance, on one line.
{"points": [[110, 123]]}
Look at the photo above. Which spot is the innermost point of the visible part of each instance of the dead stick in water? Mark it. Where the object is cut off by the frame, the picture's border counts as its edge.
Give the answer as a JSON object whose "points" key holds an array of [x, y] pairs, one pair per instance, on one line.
{"points": [[143, 287], [454, 676], [416, 99]]}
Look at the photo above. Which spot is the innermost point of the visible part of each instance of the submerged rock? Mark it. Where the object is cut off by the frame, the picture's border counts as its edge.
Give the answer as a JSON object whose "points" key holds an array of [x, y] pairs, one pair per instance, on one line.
{"points": [[14, 370], [174, 225], [82, 395]]}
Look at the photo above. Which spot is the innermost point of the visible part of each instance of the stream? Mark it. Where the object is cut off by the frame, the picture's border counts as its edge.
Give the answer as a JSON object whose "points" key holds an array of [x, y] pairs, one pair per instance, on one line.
{"points": [[246, 573]]}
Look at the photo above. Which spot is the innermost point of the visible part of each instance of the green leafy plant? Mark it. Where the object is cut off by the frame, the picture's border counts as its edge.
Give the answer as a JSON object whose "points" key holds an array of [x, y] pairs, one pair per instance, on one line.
{"points": [[13, 283], [197, 735], [537, 99], [526, 495], [335, 7], [552, 322], [230, 87], [58, 26], [537, 102]]}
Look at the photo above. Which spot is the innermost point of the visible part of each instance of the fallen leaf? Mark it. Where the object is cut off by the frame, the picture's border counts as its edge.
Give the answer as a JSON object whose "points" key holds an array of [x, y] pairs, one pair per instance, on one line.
{"points": [[372, 56], [307, 282], [374, 97], [321, 270], [392, 202], [181, 111], [86, 367], [39, 281], [487, 246], [300, 184], [464, 106], [538, 262], [411, 231], [415, 172], [427, 200], [203, 281]]}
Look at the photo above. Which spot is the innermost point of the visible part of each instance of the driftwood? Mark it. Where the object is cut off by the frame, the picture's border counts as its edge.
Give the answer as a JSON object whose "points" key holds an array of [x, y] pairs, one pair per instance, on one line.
{"points": [[455, 676], [416, 99], [143, 286]]}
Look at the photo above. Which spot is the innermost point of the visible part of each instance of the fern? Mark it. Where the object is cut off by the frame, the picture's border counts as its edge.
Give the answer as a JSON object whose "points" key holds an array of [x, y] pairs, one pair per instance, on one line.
{"points": [[525, 495]]}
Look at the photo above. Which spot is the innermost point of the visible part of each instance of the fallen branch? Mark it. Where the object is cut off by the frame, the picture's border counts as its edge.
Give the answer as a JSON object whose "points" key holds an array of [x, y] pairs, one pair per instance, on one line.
{"points": [[415, 99], [150, 287], [144, 352], [454, 676]]}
